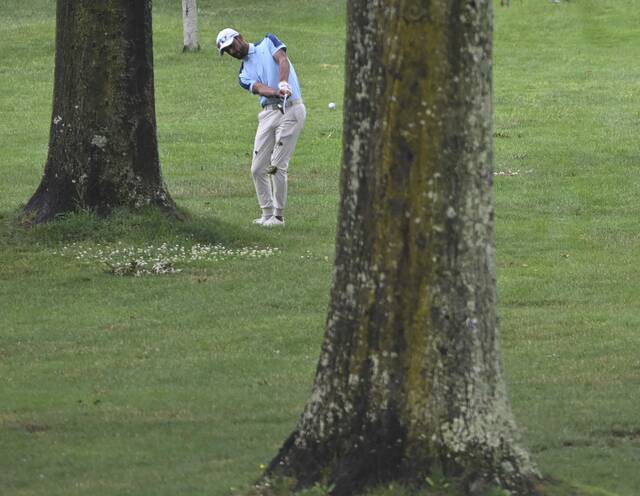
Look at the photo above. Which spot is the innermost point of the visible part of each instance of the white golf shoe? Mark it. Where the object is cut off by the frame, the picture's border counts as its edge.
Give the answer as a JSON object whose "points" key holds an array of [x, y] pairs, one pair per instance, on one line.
{"points": [[261, 220], [273, 222]]}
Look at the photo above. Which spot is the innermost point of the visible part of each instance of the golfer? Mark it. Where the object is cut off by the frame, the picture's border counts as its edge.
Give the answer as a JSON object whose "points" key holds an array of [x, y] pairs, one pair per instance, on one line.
{"points": [[267, 71]]}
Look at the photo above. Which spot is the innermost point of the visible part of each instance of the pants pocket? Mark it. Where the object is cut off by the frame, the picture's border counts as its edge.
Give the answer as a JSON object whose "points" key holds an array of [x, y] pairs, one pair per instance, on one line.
{"points": [[300, 113]]}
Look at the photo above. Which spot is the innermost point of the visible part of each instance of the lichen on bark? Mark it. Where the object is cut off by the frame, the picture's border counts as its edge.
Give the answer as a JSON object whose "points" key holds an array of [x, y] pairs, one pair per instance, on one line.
{"points": [[103, 149], [409, 380]]}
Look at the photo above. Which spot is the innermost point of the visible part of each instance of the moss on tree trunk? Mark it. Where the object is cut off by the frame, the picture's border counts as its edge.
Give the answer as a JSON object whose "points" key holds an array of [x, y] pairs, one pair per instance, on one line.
{"points": [[409, 381], [103, 150]]}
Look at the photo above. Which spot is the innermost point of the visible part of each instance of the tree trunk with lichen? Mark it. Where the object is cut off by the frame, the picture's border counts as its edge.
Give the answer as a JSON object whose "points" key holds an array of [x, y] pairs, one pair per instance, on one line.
{"points": [[190, 26], [103, 150], [409, 383]]}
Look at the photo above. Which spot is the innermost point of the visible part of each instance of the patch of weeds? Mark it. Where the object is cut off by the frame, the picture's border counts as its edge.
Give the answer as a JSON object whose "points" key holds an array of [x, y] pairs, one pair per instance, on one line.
{"points": [[309, 255], [137, 269], [127, 260], [508, 172]]}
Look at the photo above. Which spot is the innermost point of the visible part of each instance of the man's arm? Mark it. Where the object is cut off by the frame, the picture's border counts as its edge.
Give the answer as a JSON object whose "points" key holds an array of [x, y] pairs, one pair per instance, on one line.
{"points": [[283, 64], [264, 90]]}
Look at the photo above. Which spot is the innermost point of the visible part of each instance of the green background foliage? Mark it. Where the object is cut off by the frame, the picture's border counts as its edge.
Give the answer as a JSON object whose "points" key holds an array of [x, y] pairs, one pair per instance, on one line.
{"points": [[187, 383]]}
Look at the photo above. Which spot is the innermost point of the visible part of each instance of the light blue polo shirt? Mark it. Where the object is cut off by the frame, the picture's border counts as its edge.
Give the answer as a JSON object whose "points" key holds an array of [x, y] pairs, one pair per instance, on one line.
{"points": [[259, 67]]}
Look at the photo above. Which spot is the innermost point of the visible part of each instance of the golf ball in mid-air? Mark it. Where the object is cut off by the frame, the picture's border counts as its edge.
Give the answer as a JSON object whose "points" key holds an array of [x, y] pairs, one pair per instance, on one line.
{"points": [[332, 106]]}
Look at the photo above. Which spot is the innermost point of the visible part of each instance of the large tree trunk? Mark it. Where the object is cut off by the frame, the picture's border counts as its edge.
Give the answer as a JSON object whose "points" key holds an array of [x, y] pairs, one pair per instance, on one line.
{"points": [[409, 381], [190, 26], [103, 150]]}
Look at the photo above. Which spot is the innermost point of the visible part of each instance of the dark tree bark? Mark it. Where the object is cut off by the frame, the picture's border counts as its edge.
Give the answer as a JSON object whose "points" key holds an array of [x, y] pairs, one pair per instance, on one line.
{"points": [[409, 382], [103, 150]]}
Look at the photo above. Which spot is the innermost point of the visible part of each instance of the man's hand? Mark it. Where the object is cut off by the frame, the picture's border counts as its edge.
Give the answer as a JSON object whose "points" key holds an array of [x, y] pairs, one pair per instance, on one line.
{"points": [[284, 89]]}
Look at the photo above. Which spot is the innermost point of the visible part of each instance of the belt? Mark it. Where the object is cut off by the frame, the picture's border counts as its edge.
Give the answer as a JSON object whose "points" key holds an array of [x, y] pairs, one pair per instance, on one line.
{"points": [[290, 103]]}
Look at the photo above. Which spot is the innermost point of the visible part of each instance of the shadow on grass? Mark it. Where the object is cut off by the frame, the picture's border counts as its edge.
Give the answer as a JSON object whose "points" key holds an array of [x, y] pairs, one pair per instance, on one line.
{"points": [[147, 226], [548, 486]]}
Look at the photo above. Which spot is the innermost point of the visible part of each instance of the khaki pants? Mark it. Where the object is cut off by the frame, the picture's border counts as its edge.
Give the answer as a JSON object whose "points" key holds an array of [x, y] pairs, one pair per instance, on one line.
{"points": [[275, 141]]}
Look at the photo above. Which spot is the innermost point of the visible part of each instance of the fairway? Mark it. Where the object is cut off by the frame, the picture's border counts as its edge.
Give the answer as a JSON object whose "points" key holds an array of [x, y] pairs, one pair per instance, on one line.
{"points": [[187, 383]]}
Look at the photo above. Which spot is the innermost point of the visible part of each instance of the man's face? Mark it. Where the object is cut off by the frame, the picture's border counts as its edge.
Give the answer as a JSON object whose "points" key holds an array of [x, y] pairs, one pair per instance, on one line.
{"points": [[238, 49]]}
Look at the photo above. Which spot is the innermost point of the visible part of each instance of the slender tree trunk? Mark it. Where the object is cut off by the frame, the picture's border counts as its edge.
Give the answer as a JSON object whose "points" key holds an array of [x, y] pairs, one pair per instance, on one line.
{"points": [[103, 150], [409, 382], [190, 26]]}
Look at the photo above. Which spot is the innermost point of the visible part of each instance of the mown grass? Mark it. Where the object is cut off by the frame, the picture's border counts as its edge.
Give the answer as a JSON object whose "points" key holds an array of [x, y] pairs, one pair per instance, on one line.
{"points": [[187, 383]]}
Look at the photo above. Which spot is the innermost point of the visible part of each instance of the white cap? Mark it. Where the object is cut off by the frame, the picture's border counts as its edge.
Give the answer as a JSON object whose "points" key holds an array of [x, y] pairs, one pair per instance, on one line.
{"points": [[225, 38]]}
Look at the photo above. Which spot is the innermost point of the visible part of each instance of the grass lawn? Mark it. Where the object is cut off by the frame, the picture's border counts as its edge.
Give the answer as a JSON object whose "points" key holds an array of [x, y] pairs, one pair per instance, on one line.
{"points": [[186, 383]]}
